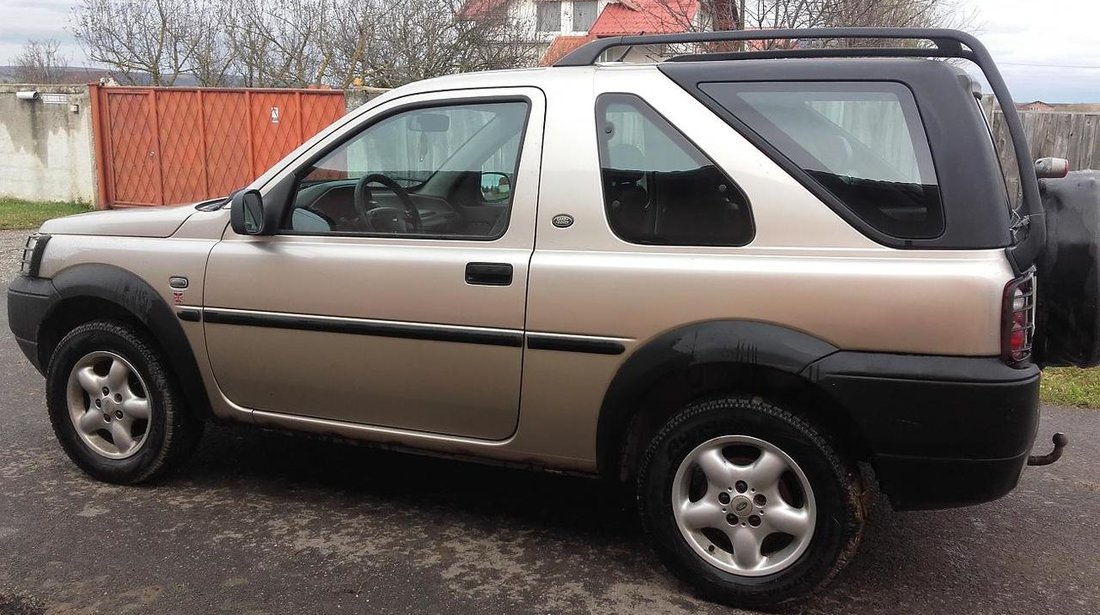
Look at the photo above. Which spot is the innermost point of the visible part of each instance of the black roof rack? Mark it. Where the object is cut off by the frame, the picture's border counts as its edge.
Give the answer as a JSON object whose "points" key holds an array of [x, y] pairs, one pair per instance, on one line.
{"points": [[946, 44]]}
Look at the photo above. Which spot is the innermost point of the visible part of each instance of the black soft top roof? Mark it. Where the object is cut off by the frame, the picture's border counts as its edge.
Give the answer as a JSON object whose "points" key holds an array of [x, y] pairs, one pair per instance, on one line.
{"points": [[975, 203], [943, 96]]}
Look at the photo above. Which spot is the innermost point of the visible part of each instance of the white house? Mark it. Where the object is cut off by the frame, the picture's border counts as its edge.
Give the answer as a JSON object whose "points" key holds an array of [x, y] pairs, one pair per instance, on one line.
{"points": [[560, 26]]}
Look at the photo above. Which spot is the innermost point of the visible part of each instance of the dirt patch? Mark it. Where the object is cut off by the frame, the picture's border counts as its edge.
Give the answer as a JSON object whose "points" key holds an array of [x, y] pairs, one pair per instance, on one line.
{"points": [[15, 603]]}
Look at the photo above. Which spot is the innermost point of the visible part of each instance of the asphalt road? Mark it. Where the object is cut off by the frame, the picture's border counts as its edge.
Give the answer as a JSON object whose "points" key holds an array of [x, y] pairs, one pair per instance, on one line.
{"points": [[261, 522]]}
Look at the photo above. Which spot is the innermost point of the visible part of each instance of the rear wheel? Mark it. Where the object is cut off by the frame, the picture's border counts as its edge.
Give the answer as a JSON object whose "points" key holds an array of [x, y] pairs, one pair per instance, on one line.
{"points": [[113, 406], [749, 503]]}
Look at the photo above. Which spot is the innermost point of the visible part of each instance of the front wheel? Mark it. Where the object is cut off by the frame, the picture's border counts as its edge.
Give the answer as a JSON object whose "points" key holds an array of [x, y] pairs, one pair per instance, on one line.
{"points": [[114, 406], [749, 503]]}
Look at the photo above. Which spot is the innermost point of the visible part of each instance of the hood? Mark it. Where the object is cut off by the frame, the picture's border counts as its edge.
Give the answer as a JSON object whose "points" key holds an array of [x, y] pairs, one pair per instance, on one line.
{"points": [[144, 222]]}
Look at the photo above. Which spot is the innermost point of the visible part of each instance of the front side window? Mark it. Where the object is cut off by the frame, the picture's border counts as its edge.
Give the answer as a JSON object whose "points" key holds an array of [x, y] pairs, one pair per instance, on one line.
{"points": [[443, 171], [864, 142], [659, 188], [584, 14], [549, 16]]}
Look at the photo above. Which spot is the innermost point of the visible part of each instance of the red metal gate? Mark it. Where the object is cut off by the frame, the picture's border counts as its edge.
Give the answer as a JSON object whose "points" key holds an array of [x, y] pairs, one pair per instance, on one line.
{"points": [[159, 146]]}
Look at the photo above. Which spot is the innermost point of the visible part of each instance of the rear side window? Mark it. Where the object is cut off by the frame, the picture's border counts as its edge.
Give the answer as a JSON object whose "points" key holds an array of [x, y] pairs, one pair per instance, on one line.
{"points": [[864, 142], [658, 187]]}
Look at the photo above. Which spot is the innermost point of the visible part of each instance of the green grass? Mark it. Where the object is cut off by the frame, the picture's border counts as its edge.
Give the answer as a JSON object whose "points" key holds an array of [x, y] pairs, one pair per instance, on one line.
{"points": [[1069, 386], [17, 214]]}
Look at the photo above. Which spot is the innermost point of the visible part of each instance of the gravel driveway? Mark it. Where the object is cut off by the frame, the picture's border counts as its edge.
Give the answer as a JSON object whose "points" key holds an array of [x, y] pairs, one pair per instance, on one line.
{"points": [[11, 251]]}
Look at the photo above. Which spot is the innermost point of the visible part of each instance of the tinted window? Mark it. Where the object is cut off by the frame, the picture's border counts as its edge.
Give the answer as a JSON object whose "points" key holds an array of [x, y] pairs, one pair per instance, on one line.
{"points": [[658, 187], [444, 171], [864, 142]]}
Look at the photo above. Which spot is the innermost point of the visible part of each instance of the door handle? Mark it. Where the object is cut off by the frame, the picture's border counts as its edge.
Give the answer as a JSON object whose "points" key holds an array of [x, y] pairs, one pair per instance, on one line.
{"points": [[489, 274]]}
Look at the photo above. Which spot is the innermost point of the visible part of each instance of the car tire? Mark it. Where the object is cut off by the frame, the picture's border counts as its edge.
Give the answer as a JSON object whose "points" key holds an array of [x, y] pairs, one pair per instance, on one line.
{"points": [[114, 406], [759, 460]]}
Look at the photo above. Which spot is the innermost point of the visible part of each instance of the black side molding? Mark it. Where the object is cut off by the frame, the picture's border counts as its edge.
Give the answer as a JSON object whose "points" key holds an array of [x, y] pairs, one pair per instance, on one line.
{"points": [[439, 333], [565, 343], [190, 315]]}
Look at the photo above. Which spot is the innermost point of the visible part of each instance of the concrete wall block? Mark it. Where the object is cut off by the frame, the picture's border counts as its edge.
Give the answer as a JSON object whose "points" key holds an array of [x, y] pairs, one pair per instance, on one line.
{"points": [[46, 144], [355, 98]]}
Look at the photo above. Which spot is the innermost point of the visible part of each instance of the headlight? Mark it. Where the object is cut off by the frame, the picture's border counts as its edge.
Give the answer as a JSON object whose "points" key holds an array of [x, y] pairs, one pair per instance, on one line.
{"points": [[32, 254]]}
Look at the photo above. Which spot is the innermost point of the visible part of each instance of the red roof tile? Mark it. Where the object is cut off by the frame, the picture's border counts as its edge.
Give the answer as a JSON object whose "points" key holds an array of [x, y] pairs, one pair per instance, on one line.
{"points": [[472, 9], [645, 17], [561, 46]]}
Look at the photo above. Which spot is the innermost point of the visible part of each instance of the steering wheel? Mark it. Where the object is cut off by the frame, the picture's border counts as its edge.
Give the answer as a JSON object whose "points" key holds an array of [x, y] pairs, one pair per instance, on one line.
{"points": [[386, 219]]}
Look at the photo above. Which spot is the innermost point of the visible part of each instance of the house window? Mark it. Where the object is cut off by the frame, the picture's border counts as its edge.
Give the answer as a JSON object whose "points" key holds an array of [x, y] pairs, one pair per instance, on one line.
{"points": [[549, 16], [584, 14]]}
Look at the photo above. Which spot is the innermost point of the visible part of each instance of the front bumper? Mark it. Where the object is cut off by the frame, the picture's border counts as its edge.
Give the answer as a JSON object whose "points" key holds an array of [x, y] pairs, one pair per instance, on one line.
{"points": [[29, 300], [942, 431]]}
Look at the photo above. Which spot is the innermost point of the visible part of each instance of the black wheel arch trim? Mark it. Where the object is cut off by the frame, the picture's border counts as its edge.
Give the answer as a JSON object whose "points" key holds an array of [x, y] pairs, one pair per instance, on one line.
{"points": [[710, 342], [134, 295]]}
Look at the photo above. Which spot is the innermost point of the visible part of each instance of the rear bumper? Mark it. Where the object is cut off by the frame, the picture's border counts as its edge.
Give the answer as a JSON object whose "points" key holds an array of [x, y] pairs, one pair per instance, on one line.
{"points": [[29, 299], [942, 431]]}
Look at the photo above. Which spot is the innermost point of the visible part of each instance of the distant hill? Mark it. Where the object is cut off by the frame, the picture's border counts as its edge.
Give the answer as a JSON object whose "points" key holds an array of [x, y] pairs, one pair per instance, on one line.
{"points": [[73, 74], [83, 74]]}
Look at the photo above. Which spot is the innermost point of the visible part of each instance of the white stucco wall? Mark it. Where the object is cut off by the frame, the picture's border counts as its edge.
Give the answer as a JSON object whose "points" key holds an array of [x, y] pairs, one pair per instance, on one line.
{"points": [[46, 149]]}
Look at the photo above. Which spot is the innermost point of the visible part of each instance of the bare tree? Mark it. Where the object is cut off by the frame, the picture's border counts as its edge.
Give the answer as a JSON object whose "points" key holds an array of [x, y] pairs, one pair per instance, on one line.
{"points": [[281, 43], [393, 42], [794, 14], [155, 39], [213, 63], [41, 62], [297, 43]]}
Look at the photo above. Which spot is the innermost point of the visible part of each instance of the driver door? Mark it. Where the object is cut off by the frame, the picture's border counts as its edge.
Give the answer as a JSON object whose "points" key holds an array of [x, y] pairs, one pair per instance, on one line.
{"points": [[394, 291]]}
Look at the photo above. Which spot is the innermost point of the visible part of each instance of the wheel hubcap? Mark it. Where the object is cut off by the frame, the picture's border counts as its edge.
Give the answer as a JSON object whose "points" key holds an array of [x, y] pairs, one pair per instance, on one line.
{"points": [[108, 404], [744, 505]]}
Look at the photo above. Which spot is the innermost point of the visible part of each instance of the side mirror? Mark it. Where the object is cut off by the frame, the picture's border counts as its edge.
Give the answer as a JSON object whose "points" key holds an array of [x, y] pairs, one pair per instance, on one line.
{"points": [[1051, 168], [495, 187], [246, 212]]}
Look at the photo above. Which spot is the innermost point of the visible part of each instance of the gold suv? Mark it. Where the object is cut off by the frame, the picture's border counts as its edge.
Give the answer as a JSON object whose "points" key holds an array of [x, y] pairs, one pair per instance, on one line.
{"points": [[728, 279]]}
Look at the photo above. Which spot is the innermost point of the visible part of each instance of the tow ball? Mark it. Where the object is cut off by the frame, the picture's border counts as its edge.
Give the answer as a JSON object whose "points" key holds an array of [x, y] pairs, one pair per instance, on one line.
{"points": [[1060, 441]]}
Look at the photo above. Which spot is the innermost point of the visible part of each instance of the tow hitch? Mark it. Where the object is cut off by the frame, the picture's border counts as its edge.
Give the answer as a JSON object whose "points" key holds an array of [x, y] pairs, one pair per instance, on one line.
{"points": [[1060, 441]]}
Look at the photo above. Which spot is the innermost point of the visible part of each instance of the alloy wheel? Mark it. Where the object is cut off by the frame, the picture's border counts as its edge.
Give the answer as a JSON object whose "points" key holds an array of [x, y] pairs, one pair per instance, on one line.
{"points": [[744, 505], [109, 404]]}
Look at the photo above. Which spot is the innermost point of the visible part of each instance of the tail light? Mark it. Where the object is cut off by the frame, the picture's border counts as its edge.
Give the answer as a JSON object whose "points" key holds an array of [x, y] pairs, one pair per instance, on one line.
{"points": [[1018, 320]]}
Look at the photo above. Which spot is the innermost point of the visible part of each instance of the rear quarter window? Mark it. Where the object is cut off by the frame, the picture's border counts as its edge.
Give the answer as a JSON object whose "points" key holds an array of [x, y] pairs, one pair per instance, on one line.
{"points": [[863, 142], [659, 187]]}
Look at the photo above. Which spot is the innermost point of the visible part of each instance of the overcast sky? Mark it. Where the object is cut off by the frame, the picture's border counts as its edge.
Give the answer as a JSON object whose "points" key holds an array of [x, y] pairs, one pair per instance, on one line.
{"points": [[1046, 49]]}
